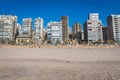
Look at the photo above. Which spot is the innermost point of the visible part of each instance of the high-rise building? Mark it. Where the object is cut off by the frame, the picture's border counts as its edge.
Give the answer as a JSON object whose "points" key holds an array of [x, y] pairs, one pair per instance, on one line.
{"points": [[93, 28], [38, 24], [77, 32], [27, 27], [8, 24], [65, 34], [54, 32], [105, 34], [113, 24], [25, 32]]}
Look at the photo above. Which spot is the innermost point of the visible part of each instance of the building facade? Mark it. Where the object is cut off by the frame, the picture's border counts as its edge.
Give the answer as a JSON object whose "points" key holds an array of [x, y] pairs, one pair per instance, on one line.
{"points": [[65, 34], [38, 24], [54, 32], [93, 28], [105, 34], [27, 27], [77, 32], [113, 24], [25, 31], [8, 25]]}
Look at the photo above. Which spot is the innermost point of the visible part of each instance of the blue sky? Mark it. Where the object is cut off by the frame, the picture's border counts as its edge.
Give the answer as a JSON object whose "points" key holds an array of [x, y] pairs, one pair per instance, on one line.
{"points": [[52, 10]]}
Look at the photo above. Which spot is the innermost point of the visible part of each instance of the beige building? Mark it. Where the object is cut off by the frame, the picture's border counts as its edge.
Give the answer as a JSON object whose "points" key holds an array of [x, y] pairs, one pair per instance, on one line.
{"points": [[44, 35], [77, 32], [65, 34]]}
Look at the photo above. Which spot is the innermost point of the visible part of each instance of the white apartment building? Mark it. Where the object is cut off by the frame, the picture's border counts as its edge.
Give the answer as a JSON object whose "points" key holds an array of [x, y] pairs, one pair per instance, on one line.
{"points": [[24, 31], [8, 24], [27, 27], [54, 32], [113, 23], [93, 28], [38, 24]]}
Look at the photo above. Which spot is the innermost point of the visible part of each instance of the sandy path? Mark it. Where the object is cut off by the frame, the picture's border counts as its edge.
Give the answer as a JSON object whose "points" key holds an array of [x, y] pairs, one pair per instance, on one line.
{"points": [[75, 55]]}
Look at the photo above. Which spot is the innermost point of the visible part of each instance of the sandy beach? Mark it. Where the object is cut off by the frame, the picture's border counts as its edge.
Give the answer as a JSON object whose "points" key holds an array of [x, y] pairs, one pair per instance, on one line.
{"points": [[59, 64]]}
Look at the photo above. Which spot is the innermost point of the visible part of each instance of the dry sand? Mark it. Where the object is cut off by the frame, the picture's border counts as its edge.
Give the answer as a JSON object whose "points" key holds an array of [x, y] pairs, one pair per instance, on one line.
{"points": [[59, 64]]}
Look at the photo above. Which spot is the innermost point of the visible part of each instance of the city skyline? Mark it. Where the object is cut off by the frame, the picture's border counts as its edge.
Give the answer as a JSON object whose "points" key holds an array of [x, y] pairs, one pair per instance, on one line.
{"points": [[52, 10]]}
